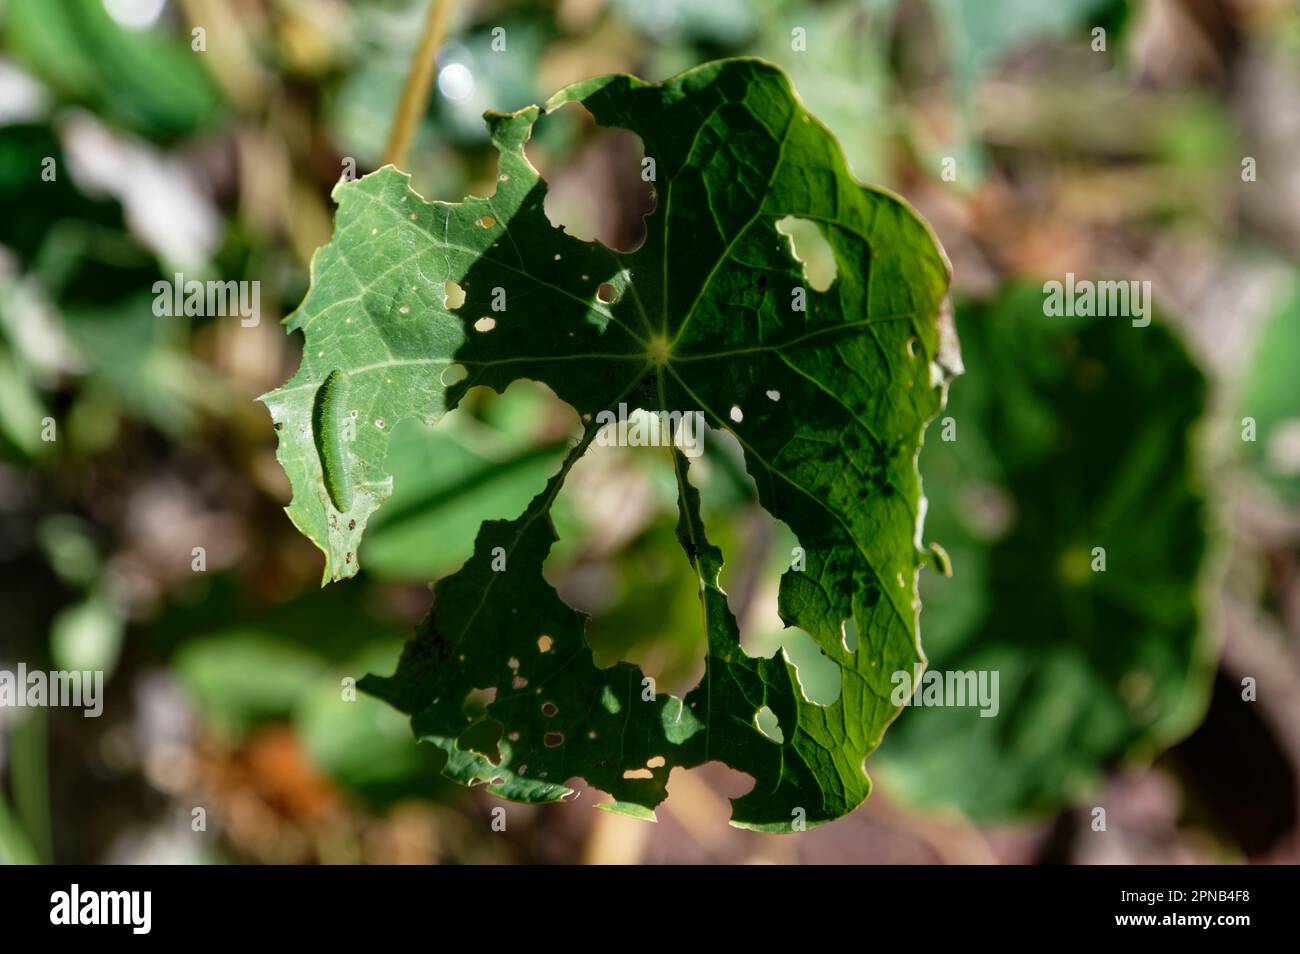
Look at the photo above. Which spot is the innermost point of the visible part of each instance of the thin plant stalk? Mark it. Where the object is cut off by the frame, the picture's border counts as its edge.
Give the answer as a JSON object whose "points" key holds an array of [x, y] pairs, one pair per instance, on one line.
{"points": [[419, 81]]}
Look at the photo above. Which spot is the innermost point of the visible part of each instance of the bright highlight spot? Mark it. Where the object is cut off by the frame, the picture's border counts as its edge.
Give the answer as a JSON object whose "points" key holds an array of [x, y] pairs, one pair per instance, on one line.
{"points": [[456, 82], [135, 14]]}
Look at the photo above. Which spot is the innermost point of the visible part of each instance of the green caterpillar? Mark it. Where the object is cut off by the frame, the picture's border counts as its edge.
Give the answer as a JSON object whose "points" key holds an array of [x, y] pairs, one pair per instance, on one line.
{"points": [[329, 418]]}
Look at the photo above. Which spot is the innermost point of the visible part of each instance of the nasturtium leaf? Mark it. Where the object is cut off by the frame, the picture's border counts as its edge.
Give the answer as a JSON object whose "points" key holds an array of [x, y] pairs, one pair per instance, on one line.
{"points": [[1068, 442], [828, 401]]}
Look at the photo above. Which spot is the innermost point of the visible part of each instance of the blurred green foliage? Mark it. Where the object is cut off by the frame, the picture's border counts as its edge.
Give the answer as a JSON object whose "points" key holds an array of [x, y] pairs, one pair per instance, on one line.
{"points": [[146, 82], [1065, 483], [1271, 400], [140, 404]]}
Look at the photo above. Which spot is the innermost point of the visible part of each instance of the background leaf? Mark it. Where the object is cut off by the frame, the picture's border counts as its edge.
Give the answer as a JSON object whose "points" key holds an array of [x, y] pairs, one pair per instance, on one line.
{"points": [[1070, 434], [1272, 399], [143, 81]]}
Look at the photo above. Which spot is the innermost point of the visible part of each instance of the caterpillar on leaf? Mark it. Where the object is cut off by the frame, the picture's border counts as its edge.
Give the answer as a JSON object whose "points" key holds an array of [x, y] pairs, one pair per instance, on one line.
{"points": [[329, 420]]}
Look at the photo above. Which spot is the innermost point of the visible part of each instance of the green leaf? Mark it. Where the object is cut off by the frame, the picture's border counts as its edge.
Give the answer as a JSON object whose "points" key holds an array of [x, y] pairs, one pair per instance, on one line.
{"points": [[21, 407], [246, 665], [1070, 434], [1271, 400], [828, 404], [361, 742], [140, 80], [88, 636], [15, 847], [140, 361], [239, 678], [31, 215]]}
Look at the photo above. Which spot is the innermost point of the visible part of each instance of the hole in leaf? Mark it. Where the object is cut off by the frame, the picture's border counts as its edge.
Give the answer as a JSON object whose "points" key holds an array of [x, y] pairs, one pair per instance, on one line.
{"points": [[638, 773], [819, 676], [483, 737], [657, 762], [704, 791], [774, 395], [595, 189], [849, 634], [737, 414], [453, 296], [764, 550], [477, 701], [765, 721], [492, 480], [620, 562], [485, 324], [544, 643], [607, 294], [811, 250]]}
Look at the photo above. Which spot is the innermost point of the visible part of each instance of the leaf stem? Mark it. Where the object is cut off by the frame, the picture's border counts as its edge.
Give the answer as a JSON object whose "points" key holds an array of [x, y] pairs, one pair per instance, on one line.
{"points": [[14, 846], [29, 767], [419, 80]]}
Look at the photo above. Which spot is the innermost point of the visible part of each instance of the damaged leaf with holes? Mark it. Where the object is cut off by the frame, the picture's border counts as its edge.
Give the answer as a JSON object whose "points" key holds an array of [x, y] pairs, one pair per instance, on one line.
{"points": [[827, 387]]}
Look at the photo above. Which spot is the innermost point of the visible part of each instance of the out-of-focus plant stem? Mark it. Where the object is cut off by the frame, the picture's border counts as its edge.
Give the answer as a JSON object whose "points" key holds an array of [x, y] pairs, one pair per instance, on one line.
{"points": [[419, 80], [14, 848], [31, 789]]}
